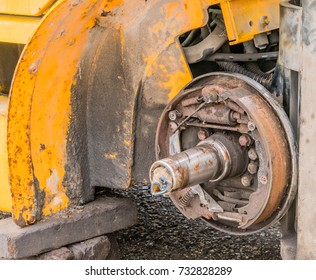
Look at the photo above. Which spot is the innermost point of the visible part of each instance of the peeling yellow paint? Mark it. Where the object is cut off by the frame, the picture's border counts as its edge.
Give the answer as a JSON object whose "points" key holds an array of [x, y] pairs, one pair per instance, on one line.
{"points": [[128, 143], [174, 80], [111, 155], [158, 26], [39, 112], [40, 99], [172, 9]]}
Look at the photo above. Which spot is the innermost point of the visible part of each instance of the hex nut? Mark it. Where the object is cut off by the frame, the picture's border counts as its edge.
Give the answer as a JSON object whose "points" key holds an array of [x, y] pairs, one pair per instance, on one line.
{"points": [[252, 154], [246, 180]]}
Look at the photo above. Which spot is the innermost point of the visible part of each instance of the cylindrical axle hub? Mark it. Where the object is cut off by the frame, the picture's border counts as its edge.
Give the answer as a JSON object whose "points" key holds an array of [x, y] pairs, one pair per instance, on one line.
{"points": [[213, 159]]}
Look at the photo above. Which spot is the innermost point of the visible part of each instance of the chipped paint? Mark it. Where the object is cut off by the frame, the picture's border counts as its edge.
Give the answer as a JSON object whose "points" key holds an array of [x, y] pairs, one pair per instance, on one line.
{"points": [[40, 108], [111, 155], [52, 182], [40, 102]]}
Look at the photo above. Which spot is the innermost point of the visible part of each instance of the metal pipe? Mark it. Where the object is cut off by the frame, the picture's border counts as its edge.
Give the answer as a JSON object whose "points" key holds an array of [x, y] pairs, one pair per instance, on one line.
{"points": [[243, 57]]}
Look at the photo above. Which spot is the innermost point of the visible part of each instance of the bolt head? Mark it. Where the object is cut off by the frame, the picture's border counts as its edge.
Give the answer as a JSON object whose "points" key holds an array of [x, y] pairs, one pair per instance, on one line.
{"points": [[251, 126], [252, 154], [236, 116], [209, 95], [244, 140], [33, 68], [265, 20], [263, 179], [246, 180], [173, 115], [203, 134], [253, 167]]}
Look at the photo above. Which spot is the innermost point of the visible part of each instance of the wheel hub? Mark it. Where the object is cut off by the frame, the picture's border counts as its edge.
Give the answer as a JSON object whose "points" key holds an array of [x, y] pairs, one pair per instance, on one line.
{"points": [[225, 153]]}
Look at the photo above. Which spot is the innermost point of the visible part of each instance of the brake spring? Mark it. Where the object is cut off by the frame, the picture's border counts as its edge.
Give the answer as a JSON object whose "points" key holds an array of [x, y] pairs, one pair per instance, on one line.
{"points": [[186, 199]]}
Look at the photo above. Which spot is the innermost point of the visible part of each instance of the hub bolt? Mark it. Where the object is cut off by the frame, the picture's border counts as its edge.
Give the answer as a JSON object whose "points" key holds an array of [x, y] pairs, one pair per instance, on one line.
{"points": [[253, 167], [245, 140], [246, 180], [252, 154]]}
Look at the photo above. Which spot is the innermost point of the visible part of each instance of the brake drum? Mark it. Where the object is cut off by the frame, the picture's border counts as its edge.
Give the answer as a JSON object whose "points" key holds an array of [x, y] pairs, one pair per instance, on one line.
{"points": [[226, 153]]}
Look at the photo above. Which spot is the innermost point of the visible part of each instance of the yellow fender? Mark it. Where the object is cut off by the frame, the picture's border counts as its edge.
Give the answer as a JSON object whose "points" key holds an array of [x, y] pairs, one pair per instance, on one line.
{"points": [[95, 76]]}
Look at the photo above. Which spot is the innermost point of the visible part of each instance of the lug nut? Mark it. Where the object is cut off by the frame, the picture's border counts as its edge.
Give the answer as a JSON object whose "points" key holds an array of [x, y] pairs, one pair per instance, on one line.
{"points": [[245, 140], [246, 180], [203, 134], [253, 167], [252, 154], [251, 126]]}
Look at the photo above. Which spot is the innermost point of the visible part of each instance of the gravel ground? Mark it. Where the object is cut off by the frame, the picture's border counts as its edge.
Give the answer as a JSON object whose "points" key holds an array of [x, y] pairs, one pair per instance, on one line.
{"points": [[162, 233]]}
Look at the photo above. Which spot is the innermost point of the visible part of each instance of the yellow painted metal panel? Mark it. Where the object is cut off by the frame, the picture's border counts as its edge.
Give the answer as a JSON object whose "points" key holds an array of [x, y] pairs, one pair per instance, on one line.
{"points": [[25, 7], [5, 193], [16, 29], [246, 18]]}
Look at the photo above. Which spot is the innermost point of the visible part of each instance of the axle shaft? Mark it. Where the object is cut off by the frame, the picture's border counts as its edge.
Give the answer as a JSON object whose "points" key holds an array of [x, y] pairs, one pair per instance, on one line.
{"points": [[213, 159]]}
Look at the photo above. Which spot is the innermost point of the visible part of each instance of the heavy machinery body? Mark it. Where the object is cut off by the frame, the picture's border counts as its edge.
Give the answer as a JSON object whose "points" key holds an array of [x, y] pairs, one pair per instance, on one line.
{"points": [[219, 92]]}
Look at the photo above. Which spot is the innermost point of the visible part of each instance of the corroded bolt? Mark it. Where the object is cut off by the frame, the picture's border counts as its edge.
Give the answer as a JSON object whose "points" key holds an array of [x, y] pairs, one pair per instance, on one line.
{"points": [[209, 95], [244, 140], [246, 180], [252, 154], [236, 116], [264, 20], [33, 68], [253, 167], [203, 134], [251, 126], [173, 115], [263, 179]]}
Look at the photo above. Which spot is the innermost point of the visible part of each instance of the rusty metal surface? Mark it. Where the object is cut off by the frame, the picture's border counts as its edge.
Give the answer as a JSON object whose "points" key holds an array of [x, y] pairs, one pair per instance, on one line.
{"points": [[270, 190], [213, 159]]}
